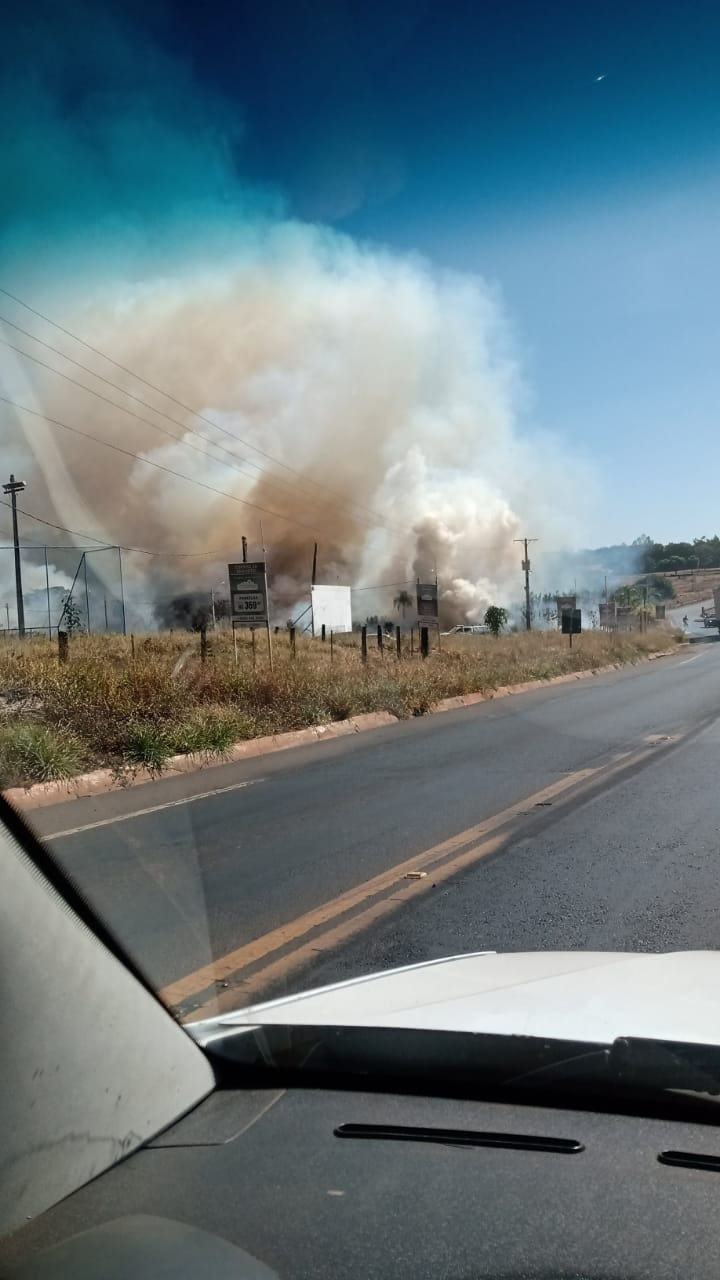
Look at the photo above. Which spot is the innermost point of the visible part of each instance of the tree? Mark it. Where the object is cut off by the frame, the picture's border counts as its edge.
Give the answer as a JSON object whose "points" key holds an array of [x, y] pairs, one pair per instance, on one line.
{"points": [[495, 618], [70, 618], [402, 602]]}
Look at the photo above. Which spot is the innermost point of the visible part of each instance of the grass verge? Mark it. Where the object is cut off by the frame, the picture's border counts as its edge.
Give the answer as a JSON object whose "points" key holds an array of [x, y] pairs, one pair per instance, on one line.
{"points": [[106, 707]]}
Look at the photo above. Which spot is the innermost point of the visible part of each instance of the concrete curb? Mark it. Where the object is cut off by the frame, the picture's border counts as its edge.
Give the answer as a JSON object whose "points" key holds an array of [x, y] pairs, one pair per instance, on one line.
{"points": [[101, 781]]}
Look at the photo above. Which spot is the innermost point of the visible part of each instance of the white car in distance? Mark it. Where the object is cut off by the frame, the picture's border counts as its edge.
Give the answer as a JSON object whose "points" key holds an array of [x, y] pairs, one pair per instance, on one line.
{"points": [[466, 629]]}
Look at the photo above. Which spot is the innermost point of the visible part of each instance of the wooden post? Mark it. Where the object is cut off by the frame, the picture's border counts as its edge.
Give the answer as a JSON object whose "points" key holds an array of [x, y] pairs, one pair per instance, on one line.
{"points": [[292, 642], [412, 640], [380, 638], [322, 632], [363, 644], [424, 642], [62, 646], [252, 633], [270, 651], [203, 643], [331, 646], [398, 642], [132, 645], [234, 631]]}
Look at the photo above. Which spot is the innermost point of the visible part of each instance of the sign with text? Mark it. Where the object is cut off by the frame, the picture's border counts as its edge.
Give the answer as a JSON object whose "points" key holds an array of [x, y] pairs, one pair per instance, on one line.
{"points": [[248, 594], [427, 600]]}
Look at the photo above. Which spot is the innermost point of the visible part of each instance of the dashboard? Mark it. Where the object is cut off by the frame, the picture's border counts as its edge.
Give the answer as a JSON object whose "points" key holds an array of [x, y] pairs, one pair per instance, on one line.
{"points": [[323, 1183]]}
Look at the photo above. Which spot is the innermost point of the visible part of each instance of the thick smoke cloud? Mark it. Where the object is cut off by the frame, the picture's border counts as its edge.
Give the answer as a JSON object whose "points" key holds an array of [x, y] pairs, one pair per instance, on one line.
{"points": [[388, 389]]}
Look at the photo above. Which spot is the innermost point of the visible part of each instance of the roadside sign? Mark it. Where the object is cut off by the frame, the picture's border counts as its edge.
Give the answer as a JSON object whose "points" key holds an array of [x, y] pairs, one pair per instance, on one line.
{"points": [[248, 594], [571, 622], [427, 600], [563, 603]]}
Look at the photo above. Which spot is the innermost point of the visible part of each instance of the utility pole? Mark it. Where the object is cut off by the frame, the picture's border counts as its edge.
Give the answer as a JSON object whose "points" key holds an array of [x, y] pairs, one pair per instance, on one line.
{"points": [[14, 488], [47, 589], [313, 580], [122, 592], [526, 570]]}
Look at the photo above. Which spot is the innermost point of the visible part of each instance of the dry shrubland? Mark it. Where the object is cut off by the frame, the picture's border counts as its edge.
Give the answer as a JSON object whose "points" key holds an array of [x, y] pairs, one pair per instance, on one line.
{"points": [[107, 707]]}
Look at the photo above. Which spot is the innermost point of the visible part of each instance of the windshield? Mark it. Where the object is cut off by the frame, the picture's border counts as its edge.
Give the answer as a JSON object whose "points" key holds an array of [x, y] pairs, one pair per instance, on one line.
{"points": [[359, 597]]}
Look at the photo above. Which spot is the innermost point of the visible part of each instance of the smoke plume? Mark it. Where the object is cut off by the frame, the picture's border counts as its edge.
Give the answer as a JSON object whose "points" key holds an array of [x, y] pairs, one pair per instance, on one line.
{"points": [[348, 395]]}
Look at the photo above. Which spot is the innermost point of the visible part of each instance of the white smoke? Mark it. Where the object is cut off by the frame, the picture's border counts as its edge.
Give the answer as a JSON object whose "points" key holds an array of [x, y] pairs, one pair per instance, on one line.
{"points": [[388, 388]]}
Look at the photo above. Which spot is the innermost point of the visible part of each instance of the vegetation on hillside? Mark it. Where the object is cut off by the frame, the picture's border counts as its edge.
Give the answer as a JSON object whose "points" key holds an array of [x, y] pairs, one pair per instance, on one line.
{"points": [[701, 553]]}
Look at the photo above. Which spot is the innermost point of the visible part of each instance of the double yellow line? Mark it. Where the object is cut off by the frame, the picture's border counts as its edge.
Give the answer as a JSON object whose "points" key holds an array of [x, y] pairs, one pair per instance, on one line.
{"points": [[265, 960]]}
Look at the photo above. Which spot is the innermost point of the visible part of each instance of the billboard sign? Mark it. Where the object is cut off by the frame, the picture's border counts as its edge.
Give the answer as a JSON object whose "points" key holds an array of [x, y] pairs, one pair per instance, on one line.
{"points": [[331, 609], [571, 622], [248, 594], [427, 600], [563, 603]]}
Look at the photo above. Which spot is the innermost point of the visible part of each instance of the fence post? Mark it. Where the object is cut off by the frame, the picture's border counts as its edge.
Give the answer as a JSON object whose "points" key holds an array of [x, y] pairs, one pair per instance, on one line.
{"points": [[132, 645], [412, 640], [292, 642], [331, 646], [380, 637], [62, 646], [398, 642], [322, 632], [363, 644], [424, 642], [203, 643]]}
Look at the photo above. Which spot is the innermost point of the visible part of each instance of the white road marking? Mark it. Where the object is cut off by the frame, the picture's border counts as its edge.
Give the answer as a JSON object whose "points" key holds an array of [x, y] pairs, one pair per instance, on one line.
{"points": [[693, 659], [153, 808]]}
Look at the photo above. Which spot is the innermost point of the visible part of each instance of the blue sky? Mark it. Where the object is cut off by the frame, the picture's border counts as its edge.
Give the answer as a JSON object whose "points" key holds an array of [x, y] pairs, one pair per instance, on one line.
{"points": [[479, 135]]}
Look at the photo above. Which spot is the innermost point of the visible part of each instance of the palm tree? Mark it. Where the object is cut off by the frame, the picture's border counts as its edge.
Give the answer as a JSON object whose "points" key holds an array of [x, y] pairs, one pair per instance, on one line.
{"points": [[402, 601]]}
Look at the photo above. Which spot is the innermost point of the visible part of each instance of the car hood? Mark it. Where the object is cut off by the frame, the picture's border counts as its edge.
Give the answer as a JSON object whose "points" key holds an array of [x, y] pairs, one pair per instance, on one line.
{"points": [[567, 995]]}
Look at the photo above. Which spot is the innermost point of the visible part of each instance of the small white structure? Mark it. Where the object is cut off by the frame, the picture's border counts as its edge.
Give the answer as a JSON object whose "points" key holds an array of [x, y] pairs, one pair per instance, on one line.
{"points": [[331, 608]]}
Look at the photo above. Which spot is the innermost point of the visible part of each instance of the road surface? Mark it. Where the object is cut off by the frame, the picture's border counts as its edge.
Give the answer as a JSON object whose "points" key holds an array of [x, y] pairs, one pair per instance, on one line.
{"points": [[692, 612], [581, 816]]}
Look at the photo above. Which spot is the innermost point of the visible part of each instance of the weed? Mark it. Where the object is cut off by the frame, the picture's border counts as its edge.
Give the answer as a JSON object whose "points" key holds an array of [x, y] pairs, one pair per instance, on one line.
{"points": [[105, 706], [38, 753]]}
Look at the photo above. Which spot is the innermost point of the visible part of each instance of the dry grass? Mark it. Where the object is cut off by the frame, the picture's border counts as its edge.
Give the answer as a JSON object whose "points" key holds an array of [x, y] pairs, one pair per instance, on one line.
{"points": [[106, 707]]}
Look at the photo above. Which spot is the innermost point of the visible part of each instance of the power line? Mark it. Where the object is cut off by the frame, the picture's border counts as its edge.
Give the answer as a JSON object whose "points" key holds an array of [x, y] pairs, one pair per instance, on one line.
{"points": [[380, 586], [235, 462], [187, 408], [104, 545], [159, 466]]}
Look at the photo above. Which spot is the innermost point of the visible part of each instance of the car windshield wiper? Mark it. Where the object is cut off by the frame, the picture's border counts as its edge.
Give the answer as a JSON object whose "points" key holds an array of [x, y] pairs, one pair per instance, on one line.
{"points": [[333, 1055]]}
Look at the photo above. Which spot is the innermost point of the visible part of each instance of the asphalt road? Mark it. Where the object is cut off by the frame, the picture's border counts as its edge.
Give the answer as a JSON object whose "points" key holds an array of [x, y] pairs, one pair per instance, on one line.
{"points": [[586, 816]]}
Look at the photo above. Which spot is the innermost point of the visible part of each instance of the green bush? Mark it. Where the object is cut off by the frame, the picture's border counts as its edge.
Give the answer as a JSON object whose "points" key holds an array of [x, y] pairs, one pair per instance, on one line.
{"points": [[38, 753]]}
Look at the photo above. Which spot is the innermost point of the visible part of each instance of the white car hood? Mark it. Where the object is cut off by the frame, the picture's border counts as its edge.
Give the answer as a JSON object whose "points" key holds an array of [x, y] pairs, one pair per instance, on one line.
{"points": [[577, 995]]}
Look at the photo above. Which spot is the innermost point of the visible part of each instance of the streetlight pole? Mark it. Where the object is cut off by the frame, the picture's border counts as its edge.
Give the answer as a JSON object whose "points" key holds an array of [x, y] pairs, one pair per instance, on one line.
{"points": [[14, 488]]}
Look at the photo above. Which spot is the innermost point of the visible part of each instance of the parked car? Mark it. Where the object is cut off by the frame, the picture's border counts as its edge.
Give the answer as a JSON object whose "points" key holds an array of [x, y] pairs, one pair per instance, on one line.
{"points": [[475, 629]]}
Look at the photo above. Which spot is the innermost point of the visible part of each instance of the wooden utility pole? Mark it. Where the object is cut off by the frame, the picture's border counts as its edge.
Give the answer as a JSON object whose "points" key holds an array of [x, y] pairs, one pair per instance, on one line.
{"points": [[313, 579], [526, 570], [13, 488]]}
